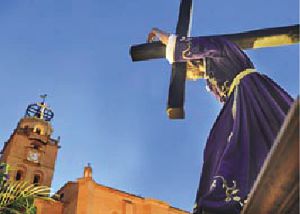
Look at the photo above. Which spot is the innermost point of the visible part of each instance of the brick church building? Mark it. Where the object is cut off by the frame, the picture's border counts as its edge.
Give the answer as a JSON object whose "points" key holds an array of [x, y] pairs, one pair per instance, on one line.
{"points": [[31, 152]]}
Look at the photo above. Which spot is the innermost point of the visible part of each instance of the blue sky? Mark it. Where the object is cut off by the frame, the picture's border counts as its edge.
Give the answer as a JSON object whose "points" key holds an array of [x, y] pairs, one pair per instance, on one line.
{"points": [[110, 111]]}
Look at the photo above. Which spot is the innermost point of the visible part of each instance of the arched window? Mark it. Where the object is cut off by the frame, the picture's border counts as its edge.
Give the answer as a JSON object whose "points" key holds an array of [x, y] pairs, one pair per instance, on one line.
{"points": [[36, 147], [19, 175], [36, 179], [20, 172], [38, 130]]}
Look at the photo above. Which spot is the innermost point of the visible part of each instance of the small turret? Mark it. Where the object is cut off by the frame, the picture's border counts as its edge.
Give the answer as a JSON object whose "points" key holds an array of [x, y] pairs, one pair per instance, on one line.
{"points": [[88, 171]]}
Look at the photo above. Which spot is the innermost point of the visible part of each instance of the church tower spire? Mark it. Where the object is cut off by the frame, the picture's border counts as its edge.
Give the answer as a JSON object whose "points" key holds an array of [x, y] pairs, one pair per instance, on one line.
{"points": [[31, 151]]}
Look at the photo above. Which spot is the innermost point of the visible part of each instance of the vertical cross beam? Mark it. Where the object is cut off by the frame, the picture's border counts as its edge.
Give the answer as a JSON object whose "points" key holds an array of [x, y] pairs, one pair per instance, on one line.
{"points": [[175, 108]]}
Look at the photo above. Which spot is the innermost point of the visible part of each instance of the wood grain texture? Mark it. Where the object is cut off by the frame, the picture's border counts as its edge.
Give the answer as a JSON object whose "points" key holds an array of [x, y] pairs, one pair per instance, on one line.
{"points": [[276, 189]]}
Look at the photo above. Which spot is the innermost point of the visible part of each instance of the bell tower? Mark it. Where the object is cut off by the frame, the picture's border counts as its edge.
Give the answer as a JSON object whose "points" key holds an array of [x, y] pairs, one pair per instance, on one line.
{"points": [[30, 151]]}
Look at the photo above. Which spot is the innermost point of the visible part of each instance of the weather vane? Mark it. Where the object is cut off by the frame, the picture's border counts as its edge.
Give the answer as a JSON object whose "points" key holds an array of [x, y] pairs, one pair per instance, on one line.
{"points": [[43, 96]]}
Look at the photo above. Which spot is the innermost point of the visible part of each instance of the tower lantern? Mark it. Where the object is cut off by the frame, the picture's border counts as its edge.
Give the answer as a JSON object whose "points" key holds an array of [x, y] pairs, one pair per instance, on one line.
{"points": [[40, 110]]}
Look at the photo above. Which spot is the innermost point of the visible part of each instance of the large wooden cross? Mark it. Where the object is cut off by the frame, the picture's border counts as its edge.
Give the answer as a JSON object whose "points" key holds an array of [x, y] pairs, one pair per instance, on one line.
{"points": [[247, 40]]}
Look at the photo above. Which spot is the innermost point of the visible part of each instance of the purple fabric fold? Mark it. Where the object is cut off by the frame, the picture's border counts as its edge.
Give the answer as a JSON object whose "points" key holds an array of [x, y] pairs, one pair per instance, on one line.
{"points": [[245, 129], [237, 146], [224, 59]]}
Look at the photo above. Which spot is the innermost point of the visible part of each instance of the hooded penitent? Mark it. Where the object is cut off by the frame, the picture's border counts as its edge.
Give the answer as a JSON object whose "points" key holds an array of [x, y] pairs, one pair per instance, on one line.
{"points": [[243, 133]]}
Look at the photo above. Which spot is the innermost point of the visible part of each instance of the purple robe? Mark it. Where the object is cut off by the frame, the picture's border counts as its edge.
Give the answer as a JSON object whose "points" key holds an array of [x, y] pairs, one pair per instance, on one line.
{"points": [[245, 129]]}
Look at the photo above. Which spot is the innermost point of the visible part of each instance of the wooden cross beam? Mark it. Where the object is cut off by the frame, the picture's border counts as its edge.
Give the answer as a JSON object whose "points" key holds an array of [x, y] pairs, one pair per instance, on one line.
{"points": [[246, 40], [261, 38], [175, 108], [177, 83]]}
